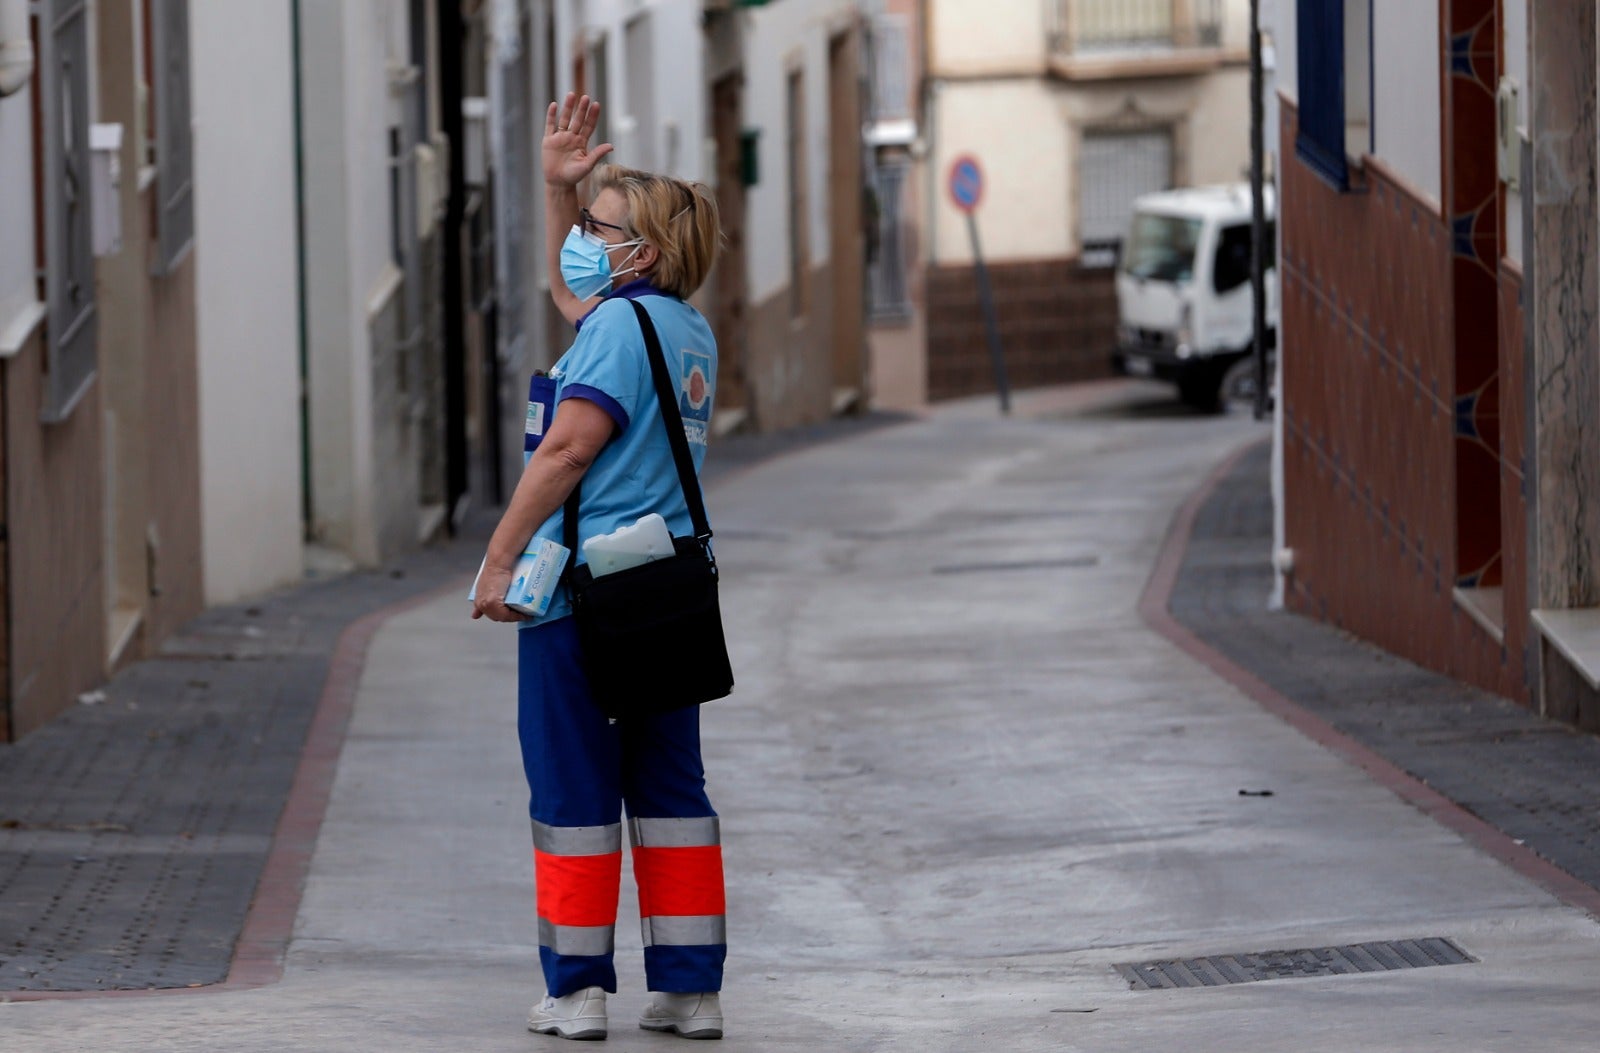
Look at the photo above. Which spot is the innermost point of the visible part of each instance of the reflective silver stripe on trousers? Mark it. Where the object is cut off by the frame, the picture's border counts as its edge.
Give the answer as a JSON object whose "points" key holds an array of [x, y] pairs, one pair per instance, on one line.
{"points": [[688, 930], [577, 840], [584, 941], [675, 833]]}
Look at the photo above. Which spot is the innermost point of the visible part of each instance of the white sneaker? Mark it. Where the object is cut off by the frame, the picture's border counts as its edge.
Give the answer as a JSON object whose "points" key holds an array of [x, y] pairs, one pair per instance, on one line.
{"points": [[690, 1015], [581, 1014]]}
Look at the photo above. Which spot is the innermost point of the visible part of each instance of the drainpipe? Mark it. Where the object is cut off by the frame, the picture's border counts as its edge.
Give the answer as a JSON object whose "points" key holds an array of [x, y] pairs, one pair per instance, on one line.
{"points": [[16, 47], [927, 126], [307, 511], [451, 92]]}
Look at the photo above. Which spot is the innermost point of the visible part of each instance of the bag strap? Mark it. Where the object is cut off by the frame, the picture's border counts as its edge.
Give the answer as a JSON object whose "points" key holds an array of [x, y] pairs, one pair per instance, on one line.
{"points": [[666, 398]]}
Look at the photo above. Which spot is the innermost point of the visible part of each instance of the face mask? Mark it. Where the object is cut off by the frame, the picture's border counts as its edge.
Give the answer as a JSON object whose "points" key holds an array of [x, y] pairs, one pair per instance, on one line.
{"points": [[586, 268]]}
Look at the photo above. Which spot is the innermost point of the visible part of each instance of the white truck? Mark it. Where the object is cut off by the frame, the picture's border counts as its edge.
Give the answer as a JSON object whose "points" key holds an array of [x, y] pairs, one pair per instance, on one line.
{"points": [[1183, 292]]}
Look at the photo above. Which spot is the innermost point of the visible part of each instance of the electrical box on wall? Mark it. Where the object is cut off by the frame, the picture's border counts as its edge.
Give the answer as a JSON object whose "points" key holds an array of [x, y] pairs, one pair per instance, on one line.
{"points": [[1508, 136], [105, 178]]}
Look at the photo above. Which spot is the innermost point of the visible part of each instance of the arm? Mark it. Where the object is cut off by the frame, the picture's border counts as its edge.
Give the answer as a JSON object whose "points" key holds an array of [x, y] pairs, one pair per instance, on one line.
{"points": [[560, 215], [567, 161], [578, 433]]}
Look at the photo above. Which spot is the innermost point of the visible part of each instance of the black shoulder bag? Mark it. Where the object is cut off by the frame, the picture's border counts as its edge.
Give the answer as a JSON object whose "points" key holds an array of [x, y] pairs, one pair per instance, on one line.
{"points": [[651, 635]]}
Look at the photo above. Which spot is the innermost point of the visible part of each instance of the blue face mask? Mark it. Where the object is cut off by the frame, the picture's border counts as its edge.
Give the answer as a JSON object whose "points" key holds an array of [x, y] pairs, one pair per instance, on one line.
{"points": [[586, 268]]}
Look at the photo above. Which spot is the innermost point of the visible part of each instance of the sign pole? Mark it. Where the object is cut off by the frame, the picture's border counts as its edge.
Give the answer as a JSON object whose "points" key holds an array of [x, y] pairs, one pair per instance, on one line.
{"points": [[966, 190], [991, 325], [1258, 213]]}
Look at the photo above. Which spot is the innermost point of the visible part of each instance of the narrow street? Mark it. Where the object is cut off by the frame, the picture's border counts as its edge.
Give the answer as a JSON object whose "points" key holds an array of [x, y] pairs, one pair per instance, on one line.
{"points": [[961, 780]]}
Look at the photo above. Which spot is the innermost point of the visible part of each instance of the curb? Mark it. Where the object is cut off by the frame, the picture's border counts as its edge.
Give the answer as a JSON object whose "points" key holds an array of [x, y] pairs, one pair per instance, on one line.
{"points": [[1153, 608]]}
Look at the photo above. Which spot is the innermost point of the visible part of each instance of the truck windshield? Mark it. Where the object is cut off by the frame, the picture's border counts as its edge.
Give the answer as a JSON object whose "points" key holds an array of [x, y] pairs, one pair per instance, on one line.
{"points": [[1162, 247]]}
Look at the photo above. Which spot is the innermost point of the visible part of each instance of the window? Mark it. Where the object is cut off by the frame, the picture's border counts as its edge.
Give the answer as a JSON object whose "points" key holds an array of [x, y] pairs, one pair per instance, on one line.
{"points": [[66, 220], [174, 138], [1335, 56], [1162, 247], [638, 49], [599, 69], [1114, 169], [1230, 268], [799, 243], [886, 242]]}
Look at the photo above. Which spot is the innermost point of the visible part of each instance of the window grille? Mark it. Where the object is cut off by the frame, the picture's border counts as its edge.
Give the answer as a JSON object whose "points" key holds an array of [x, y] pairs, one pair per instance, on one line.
{"points": [[68, 249], [174, 135], [887, 294], [1114, 168]]}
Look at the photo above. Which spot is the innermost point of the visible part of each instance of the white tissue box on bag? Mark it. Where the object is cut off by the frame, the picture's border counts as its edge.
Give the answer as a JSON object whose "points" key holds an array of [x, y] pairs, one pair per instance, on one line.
{"points": [[533, 579], [629, 546]]}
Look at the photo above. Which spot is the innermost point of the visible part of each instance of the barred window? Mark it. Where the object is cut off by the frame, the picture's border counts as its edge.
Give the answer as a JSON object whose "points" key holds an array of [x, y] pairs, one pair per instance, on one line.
{"points": [[66, 221], [887, 294], [173, 134], [1115, 168]]}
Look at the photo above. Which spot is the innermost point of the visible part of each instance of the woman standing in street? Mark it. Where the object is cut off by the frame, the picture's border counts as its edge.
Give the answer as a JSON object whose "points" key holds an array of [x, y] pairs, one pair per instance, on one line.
{"points": [[595, 418]]}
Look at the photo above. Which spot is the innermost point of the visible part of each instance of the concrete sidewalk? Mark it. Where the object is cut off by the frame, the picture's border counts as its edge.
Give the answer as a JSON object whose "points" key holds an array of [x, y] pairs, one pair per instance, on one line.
{"points": [[961, 780]]}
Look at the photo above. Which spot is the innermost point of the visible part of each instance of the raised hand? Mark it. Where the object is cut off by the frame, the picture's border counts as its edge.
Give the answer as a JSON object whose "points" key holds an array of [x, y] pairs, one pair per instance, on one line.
{"points": [[565, 149]]}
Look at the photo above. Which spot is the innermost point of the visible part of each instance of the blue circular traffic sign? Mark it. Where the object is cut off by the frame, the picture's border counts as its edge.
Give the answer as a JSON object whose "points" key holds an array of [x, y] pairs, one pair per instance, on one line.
{"points": [[966, 182]]}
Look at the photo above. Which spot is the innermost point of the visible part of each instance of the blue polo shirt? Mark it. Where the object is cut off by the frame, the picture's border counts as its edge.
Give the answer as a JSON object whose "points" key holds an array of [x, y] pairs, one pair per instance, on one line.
{"points": [[633, 475]]}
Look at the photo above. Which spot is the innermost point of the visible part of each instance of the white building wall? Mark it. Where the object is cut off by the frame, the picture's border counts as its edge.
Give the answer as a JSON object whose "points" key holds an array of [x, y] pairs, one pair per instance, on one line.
{"points": [[1029, 183], [1286, 79], [246, 293], [17, 289], [328, 292], [779, 39], [1515, 44], [1407, 46], [1219, 128], [347, 47], [674, 141]]}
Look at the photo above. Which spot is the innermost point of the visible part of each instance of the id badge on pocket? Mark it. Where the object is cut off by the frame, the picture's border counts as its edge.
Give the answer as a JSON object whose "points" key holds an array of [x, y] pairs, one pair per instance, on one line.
{"points": [[541, 407]]}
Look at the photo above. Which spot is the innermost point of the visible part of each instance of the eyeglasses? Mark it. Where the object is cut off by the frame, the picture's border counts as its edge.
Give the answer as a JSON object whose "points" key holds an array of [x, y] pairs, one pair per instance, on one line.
{"points": [[590, 225]]}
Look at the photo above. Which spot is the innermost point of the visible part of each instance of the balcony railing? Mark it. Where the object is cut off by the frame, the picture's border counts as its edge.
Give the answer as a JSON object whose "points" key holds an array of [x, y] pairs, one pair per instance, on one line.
{"points": [[1102, 27]]}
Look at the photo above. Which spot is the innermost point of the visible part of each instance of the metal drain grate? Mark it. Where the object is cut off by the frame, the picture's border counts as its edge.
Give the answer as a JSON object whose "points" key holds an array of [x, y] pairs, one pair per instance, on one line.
{"points": [[1221, 969]]}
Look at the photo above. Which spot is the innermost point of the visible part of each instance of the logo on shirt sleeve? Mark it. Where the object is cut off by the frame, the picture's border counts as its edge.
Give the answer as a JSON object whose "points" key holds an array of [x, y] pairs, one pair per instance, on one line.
{"points": [[694, 402]]}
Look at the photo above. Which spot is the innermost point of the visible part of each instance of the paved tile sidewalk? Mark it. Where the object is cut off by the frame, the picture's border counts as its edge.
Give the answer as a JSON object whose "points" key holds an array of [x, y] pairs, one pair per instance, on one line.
{"points": [[134, 827], [1536, 780]]}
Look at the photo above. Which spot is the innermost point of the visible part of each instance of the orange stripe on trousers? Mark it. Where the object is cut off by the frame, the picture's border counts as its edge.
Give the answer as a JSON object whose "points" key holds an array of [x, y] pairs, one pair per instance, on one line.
{"points": [[679, 881], [578, 890]]}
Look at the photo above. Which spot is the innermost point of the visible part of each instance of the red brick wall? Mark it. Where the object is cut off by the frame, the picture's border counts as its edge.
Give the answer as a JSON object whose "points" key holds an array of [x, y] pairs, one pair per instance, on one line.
{"points": [[1369, 424], [1057, 324]]}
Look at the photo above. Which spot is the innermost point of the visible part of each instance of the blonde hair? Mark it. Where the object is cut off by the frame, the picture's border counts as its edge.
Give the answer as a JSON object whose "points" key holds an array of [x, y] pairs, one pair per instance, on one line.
{"points": [[676, 216]]}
